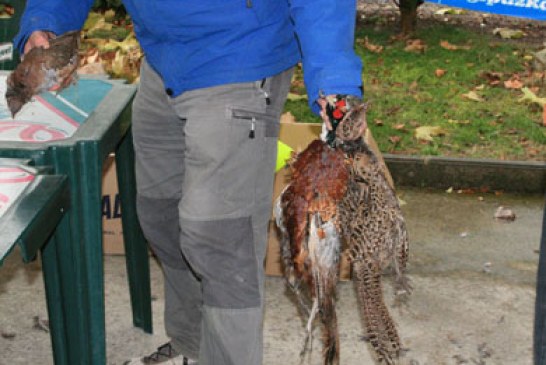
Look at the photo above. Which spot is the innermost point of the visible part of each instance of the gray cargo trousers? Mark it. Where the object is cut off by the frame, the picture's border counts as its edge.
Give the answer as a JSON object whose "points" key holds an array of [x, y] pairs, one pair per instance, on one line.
{"points": [[204, 168]]}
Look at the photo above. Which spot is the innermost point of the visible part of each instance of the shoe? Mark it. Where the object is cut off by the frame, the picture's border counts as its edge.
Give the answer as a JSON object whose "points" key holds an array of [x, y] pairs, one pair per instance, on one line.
{"points": [[165, 355]]}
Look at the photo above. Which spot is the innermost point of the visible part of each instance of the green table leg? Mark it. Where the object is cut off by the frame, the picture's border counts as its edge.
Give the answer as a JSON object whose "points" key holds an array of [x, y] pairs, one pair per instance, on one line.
{"points": [[72, 264], [90, 162], [52, 284], [136, 247]]}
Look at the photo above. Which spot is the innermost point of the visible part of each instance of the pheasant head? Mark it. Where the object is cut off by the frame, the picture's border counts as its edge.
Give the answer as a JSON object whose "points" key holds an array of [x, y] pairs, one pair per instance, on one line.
{"points": [[353, 125], [347, 116]]}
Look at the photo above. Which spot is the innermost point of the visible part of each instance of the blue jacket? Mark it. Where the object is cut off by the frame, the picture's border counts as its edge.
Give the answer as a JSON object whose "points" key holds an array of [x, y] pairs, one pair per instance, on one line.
{"points": [[201, 43]]}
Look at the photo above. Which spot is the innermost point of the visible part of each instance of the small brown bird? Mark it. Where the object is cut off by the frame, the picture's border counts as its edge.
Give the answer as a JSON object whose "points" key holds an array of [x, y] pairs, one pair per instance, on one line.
{"points": [[339, 194], [43, 68]]}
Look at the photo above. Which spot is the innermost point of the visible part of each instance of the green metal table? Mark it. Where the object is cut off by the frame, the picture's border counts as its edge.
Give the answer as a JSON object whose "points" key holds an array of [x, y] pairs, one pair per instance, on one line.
{"points": [[73, 133], [31, 206]]}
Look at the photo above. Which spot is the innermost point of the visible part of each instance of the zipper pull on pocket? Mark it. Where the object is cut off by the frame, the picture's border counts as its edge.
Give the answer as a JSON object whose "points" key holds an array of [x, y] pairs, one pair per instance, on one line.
{"points": [[248, 3], [252, 132]]}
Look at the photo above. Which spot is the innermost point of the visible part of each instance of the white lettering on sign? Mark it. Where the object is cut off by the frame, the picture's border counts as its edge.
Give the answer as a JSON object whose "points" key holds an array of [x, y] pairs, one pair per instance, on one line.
{"points": [[6, 51], [528, 4]]}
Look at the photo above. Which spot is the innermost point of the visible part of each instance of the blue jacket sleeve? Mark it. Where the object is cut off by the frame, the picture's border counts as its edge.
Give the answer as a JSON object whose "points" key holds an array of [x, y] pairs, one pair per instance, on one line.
{"points": [[325, 30], [57, 16]]}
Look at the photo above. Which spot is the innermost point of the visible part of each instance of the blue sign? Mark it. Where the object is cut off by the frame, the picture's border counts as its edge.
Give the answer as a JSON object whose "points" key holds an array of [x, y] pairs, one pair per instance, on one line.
{"points": [[531, 9]]}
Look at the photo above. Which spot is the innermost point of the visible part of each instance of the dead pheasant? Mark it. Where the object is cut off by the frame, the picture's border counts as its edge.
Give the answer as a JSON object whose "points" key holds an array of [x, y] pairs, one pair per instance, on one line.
{"points": [[374, 231], [43, 68], [311, 245], [339, 191]]}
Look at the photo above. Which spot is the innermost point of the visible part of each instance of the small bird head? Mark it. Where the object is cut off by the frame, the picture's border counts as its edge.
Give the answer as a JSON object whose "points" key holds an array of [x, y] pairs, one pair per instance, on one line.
{"points": [[353, 125], [15, 96]]}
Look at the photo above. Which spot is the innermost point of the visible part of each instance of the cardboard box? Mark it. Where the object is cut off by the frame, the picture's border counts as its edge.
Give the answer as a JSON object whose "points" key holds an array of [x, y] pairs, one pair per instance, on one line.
{"points": [[112, 232]]}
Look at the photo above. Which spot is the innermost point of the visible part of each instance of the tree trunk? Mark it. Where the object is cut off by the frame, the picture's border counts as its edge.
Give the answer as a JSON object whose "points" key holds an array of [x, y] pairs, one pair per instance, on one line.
{"points": [[408, 15], [408, 20]]}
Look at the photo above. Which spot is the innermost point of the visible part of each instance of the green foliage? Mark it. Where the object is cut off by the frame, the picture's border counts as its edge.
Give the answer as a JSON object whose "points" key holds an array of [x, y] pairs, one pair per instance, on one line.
{"points": [[406, 90], [117, 34], [109, 4]]}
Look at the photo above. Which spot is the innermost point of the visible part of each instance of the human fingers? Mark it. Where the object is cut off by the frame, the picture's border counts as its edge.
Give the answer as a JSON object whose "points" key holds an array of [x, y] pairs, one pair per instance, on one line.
{"points": [[38, 38]]}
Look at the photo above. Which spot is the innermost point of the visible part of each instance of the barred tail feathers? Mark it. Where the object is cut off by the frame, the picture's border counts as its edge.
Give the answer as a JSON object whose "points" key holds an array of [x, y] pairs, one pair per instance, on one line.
{"points": [[380, 328]]}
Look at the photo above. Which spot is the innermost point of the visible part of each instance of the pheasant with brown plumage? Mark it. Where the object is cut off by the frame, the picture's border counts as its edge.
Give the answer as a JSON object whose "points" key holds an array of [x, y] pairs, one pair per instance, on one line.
{"points": [[307, 217], [340, 192]]}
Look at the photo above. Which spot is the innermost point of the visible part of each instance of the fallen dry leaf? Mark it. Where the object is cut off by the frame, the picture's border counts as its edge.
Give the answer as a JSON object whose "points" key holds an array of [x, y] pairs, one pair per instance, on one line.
{"points": [[530, 97], [504, 213], [90, 56], [125, 46], [493, 78], [370, 46], [439, 72], [452, 11], [378, 122], [399, 126], [452, 47], [415, 45], [472, 95], [544, 115], [395, 139], [507, 33], [513, 84], [427, 132]]}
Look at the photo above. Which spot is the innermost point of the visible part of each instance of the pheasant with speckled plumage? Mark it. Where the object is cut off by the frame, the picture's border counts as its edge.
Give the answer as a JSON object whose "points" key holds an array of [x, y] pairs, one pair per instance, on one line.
{"points": [[340, 195]]}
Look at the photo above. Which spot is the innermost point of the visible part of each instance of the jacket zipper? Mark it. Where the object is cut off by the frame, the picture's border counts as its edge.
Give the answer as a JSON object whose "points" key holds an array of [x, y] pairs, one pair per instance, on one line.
{"points": [[248, 3]]}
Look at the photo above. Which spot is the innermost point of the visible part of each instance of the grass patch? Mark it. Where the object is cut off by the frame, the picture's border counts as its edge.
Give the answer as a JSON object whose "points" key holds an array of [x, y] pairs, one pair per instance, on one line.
{"points": [[411, 89]]}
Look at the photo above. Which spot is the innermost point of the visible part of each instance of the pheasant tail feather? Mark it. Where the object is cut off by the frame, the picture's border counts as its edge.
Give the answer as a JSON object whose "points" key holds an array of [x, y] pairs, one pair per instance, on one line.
{"points": [[380, 327]]}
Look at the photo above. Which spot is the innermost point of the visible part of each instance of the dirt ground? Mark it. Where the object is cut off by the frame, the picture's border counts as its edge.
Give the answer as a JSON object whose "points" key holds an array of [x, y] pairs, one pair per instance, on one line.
{"points": [[473, 300]]}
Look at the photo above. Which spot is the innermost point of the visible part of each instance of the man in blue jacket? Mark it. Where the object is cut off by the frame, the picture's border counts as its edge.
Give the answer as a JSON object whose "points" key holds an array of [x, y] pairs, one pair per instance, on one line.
{"points": [[205, 124]]}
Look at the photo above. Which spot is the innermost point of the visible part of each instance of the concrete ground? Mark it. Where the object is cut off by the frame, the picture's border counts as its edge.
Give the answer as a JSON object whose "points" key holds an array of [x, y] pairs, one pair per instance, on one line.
{"points": [[473, 300]]}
